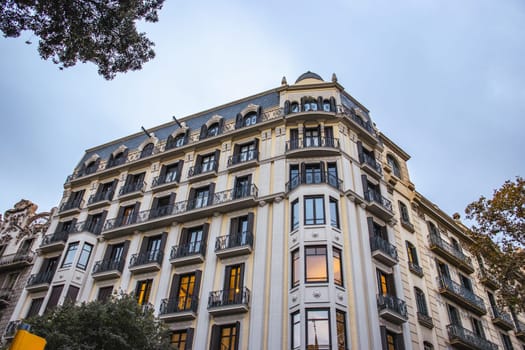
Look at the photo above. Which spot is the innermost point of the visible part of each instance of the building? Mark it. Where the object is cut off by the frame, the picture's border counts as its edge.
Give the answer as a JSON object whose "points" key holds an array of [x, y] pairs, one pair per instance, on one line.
{"points": [[21, 232], [284, 220]]}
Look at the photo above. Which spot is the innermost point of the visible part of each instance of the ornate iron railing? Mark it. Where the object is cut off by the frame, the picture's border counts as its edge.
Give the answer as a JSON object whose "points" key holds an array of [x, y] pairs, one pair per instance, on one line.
{"points": [[109, 265], [460, 291], [418, 270], [234, 240], [227, 297], [438, 241], [154, 256], [243, 157], [390, 302], [41, 277], [179, 304], [71, 204], [374, 196], [164, 179], [312, 142], [16, 257], [497, 313], [187, 249], [349, 113], [132, 187], [203, 168], [378, 243], [371, 161], [314, 178], [55, 237], [102, 196], [456, 332]]}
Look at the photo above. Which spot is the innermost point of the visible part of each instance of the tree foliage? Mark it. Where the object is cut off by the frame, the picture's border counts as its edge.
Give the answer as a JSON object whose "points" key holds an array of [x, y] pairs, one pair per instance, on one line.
{"points": [[99, 31], [499, 235], [118, 324]]}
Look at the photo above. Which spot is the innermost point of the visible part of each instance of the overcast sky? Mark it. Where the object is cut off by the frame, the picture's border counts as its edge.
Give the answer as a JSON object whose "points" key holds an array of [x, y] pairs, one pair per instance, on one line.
{"points": [[444, 79]]}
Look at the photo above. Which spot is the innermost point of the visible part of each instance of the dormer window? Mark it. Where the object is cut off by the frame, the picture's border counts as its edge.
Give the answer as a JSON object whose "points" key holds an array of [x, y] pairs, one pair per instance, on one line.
{"points": [[90, 168], [250, 119], [294, 107], [147, 150], [310, 105], [326, 105], [177, 141], [213, 130]]}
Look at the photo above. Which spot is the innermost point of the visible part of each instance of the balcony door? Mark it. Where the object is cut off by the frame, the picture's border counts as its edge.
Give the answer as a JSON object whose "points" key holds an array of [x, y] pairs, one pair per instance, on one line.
{"points": [[233, 284], [242, 186], [385, 283], [312, 137]]}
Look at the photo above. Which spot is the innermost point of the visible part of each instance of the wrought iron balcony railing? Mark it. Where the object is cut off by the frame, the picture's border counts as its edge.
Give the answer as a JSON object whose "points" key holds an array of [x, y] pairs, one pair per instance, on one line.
{"points": [[164, 179], [356, 119], [392, 303], [456, 334], [121, 221], [115, 162], [415, 268], [179, 304], [40, 278], [71, 204], [109, 265], [187, 249], [228, 297], [99, 197], [370, 161], [439, 243], [502, 318], [20, 257], [243, 157], [378, 243], [462, 293], [234, 240], [154, 256], [374, 196], [312, 142], [314, 178], [55, 237], [203, 168], [131, 188], [12, 328]]}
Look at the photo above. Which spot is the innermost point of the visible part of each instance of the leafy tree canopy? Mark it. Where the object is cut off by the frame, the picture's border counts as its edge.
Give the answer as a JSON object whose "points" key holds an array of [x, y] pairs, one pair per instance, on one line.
{"points": [[118, 324], [499, 235], [99, 31]]}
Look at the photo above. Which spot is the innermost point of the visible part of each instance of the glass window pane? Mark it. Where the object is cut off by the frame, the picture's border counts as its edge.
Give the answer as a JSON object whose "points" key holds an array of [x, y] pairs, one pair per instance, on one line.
{"points": [[318, 329], [316, 268], [84, 256], [70, 255], [338, 273]]}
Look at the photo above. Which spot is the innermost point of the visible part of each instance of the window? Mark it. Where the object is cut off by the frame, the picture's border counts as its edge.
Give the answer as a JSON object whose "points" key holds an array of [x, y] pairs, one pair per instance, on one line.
{"points": [[334, 213], [213, 130], [316, 264], [134, 183], [507, 343], [453, 315], [295, 215], [95, 222], [9, 282], [84, 256], [294, 177], [312, 174], [74, 200], [312, 137], [432, 229], [466, 282], [393, 340], [294, 107], [296, 330], [143, 291], [116, 255], [340, 319], [105, 192], [153, 248], [427, 346], [326, 105], [71, 295], [127, 215], [477, 327], [118, 159], [318, 329], [147, 150], [182, 339], [242, 187], [54, 297], [91, 168], [185, 292], [104, 293], [250, 119], [177, 141], [162, 206], [314, 210], [333, 180], [208, 163], [202, 196], [403, 212], [455, 244], [229, 337], [233, 284], [35, 306], [192, 239], [244, 153], [385, 283], [420, 302], [70, 254], [413, 261], [169, 173], [338, 267], [310, 104], [443, 270], [295, 268], [394, 165]]}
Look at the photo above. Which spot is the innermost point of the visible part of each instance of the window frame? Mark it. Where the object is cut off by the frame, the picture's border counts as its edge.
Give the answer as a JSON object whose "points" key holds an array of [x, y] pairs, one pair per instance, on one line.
{"points": [[421, 303], [296, 265], [339, 263], [295, 328], [71, 254], [333, 205], [307, 261], [314, 220], [83, 251], [340, 324], [294, 215], [327, 310]]}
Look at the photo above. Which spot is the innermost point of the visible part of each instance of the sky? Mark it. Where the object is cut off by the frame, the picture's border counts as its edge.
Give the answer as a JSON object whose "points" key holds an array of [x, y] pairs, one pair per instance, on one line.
{"points": [[444, 79]]}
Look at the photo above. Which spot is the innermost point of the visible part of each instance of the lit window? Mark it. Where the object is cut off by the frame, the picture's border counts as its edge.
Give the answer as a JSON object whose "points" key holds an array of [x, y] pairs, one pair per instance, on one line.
{"points": [[341, 330], [412, 254], [143, 291], [316, 264], [318, 329], [84, 256], [314, 210], [179, 339], [394, 165], [70, 254], [334, 213], [185, 294], [295, 268], [338, 267], [228, 337], [295, 215]]}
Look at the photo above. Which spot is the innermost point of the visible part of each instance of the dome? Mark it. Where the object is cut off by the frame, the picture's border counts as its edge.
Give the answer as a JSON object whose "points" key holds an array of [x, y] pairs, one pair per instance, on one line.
{"points": [[309, 75]]}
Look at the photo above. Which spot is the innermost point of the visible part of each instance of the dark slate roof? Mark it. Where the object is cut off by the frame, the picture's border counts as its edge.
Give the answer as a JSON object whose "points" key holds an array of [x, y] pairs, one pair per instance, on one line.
{"points": [[308, 75], [194, 122]]}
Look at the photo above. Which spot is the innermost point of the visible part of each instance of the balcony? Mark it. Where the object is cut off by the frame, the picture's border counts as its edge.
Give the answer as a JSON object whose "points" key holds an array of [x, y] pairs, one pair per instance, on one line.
{"points": [[11, 329], [450, 253], [179, 309], [243, 160], [53, 242], [425, 320], [146, 262], [100, 199], [364, 128], [5, 295], [234, 245], [39, 282], [383, 251], [520, 330], [462, 338], [164, 182], [16, 261], [228, 302], [71, 207], [188, 253], [312, 147], [501, 319], [370, 165], [407, 224], [461, 295], [131, 190], [392, 309], [379, 205], [108, 269], [203, 171], [314, 179], [489, 281], [415, 269]]}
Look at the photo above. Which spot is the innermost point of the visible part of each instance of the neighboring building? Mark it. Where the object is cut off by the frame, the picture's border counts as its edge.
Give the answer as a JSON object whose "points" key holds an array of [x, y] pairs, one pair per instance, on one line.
{"points": [[283, 220], [21, 232]]}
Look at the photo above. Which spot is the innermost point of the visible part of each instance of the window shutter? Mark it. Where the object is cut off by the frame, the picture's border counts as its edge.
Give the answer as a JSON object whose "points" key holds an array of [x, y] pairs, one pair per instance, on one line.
{"points": [[303, 173], [370, 222], [432, 229], [174, 289], [72, 294], [234, 226], [172, 198], [136, 211], [212, 193], [102, 220], [189, 339], [110, 160], [162, 172], [259, 113], [125, 156], [238, 121], [170, 142], [197, 165], [191, 198], [323, 175], [197, 286], [186, 136], [205, 229], [45, 266], [60, 227], [360, 151], [241, 279], [400, 342], [180, 164], [332, 104], [235, 154], [286, 107], [163, 240], [256, 143], [112, 190], [215, 337], [140, 178], [320, 103], [124, 255], [302, 103], [107, 253], [154, 206], [204, 131], [97, 163], [120, 215], [237, 335], [221, 124], [144, 245], [54, 297], [250, 223], [183, 236], [216, 157], [365, 183], [227, 272], [99, 189], [391, 285], [73, 224], [382, 330]]}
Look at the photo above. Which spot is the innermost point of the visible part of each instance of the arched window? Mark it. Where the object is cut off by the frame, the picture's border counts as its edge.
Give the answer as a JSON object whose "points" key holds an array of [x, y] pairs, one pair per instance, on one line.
{"points": [[427, 346], [326, 105], [90, 168], [250, 119], [421, 302], [310, 105], [294, 107], [394, 165], [147, 150], [213, 130]]}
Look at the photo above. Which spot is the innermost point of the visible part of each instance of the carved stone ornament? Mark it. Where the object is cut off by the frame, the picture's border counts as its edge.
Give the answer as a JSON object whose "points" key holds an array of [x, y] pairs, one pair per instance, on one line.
{"points": [[22, 221]]}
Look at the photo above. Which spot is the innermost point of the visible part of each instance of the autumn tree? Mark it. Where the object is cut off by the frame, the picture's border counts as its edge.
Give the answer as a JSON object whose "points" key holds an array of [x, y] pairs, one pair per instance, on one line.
{"points": [[498, 231], [118, 324], [99, 31]]}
